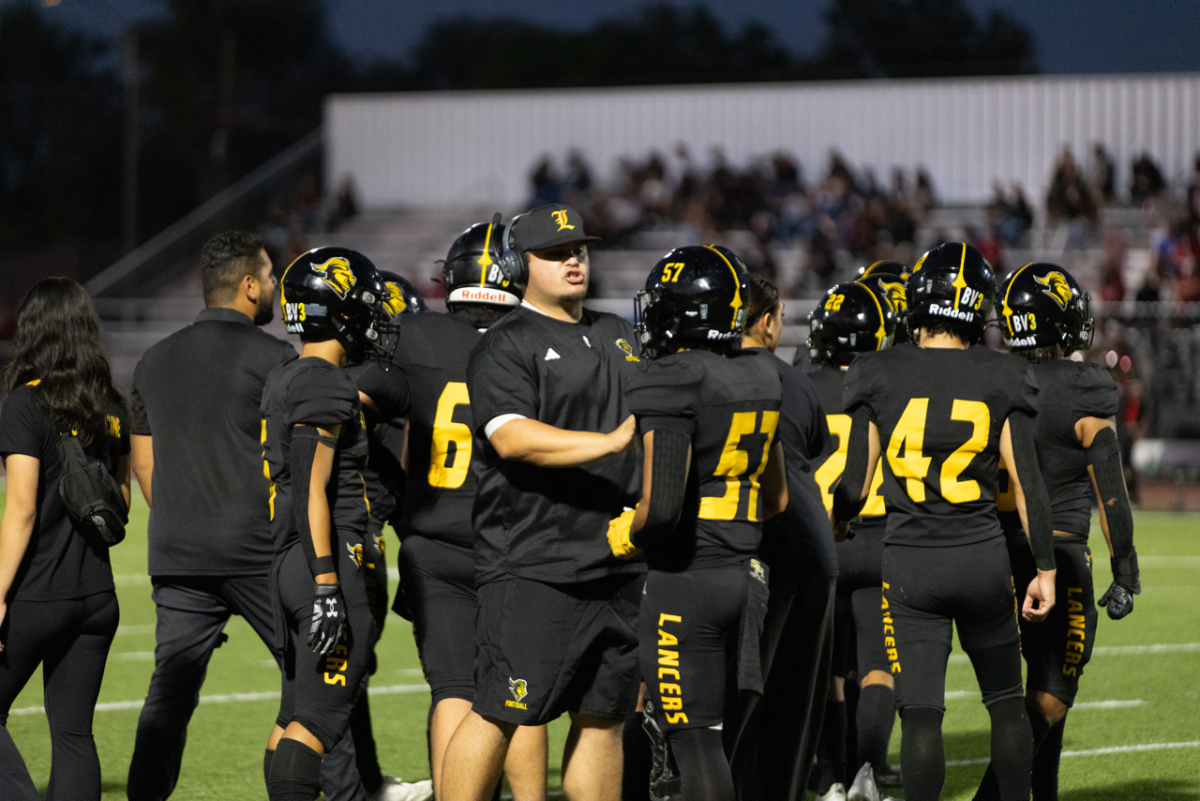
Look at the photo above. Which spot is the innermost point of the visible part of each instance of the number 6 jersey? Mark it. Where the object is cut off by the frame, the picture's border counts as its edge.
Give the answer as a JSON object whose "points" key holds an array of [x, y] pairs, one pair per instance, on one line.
{"points": [[940, 412]]}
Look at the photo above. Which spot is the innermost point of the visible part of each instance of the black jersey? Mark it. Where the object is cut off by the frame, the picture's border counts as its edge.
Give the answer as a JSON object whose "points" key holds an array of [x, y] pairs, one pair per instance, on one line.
{"points": [[728, 406], [940, 412], [829, 382], [427, 383], [542, 523], [1067, 392], [312, 391], [799, 542]]}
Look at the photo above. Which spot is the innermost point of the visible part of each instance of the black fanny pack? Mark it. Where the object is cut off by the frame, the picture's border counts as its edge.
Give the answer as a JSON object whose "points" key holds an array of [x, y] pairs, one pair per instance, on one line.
{"points": [[91, 495]]}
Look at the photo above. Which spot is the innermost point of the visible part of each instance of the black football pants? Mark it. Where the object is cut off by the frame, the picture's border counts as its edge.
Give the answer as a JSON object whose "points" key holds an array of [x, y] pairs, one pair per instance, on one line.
{"points": [[192, 612], [70, 640]]}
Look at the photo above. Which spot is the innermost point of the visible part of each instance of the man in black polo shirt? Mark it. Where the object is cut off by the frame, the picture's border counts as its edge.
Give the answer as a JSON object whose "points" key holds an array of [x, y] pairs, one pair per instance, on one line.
{"points": [[556, 623], [197, 454]]}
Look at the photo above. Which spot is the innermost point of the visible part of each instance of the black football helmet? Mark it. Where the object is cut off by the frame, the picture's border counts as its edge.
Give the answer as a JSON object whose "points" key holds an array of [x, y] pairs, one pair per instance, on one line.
{"points": [[888, 267], [1042, 305], [402, 297], [336, 292], [850, 319], [891, 286], [694, 297], [472, 273], [954, 283]]}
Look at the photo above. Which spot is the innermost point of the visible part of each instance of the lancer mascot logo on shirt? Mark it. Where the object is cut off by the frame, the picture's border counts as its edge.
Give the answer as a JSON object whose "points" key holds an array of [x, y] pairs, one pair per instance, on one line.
{"points": [[1056, 287], [519, 690], [356, 553], [625, 346], [336, 272], [394, 303]]}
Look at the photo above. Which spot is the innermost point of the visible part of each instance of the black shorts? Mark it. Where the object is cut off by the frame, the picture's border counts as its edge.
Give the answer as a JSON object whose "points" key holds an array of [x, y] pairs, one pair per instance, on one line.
{"points": [[1057, 649], [439, 587], [691, 636], [857, 630], [925, 592], [319, 691], [546, 649]]}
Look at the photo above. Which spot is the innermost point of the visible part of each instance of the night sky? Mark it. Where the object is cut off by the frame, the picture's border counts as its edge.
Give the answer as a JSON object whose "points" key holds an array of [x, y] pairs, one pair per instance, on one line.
{"points": [[1072, 36]]}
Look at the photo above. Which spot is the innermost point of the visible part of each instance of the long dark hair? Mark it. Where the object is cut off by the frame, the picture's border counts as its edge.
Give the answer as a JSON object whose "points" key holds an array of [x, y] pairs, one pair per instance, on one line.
{"points": [[762, 300], [58, 345]]}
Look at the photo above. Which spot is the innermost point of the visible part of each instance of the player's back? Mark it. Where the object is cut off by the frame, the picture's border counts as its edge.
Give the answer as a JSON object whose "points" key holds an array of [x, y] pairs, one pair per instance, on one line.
{"points": [[940, 413], [729, 407]]}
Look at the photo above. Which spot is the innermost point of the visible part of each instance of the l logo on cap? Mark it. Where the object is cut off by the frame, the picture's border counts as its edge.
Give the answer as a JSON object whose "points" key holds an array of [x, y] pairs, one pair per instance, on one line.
{"points": [[560, 217]]}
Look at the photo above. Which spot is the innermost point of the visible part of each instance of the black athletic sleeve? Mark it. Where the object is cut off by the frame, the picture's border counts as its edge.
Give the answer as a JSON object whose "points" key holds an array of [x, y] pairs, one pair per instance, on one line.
{"points": [[22, 425], [858, 388], [1025, 398], [1095, 394], [388, 388], [321, 397], [500, 381], [666, 395], [140, 422]]}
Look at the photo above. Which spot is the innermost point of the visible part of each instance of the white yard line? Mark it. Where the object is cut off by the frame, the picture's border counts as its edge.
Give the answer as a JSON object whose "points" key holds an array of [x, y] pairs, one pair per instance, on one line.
{"points": [[1169, 561], [1117, 650], [115, 706], [1120, 749], [959, 695]]}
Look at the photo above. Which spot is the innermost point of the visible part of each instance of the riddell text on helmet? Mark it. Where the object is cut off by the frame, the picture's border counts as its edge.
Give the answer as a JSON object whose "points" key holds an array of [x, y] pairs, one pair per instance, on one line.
{"points": [[942, 311]]}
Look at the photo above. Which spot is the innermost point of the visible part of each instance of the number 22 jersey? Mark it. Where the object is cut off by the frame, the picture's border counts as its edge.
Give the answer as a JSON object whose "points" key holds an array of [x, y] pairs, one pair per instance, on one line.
{"points": [[940, 413]]}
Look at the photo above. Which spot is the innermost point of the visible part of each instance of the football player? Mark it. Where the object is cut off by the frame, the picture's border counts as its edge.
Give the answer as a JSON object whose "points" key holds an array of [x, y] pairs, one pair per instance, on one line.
{"points": [[707, 413], [773, 758], [314, 448], [852, 319], [941, 411], [427, 384], [1044, 316], [888, 278]]}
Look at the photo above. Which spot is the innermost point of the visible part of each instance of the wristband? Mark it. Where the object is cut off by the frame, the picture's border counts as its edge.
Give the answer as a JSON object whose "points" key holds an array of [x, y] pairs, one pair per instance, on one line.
{"points": [[322, 564]]}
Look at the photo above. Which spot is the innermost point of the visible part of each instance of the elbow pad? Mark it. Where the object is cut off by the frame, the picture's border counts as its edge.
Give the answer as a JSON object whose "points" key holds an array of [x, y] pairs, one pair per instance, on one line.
{"points": [[305, 440], [1037, 500], [668, 485], [1104, 457], [847, 495]]}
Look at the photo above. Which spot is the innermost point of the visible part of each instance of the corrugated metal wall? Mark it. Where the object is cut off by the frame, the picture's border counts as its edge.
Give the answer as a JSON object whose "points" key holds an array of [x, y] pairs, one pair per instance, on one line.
{"points": [[432, 149]]}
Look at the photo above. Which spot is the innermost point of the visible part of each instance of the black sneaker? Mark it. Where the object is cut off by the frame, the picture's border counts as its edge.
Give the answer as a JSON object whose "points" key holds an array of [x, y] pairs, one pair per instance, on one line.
{"points": [[889, 776], [664, 774]]}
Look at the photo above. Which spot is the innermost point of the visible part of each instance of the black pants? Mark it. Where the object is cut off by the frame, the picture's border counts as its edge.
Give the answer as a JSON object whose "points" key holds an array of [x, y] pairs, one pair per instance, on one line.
{"points": [[70, 639], [192, 612], [775, 752]]}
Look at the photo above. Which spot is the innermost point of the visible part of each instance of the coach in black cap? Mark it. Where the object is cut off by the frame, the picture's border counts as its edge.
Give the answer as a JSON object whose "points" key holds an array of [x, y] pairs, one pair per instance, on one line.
{"points": [[197, 454], [556, 621]]}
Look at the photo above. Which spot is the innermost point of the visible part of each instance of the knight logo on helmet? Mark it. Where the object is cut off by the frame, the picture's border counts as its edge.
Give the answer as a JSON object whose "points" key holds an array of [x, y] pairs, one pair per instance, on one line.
{"points": [[1042, 306]]}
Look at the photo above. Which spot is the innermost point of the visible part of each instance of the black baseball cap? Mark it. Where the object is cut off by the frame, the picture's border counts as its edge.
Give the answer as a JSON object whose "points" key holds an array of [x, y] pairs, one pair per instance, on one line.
{"points": [[549, 226]]}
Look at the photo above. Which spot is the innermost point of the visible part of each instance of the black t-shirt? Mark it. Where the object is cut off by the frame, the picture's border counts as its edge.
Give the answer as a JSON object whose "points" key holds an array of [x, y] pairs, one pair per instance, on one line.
{"points": [[427, 383], [940, 413], [314, 392], [197, 393], [799, 542], [1067, 392], [550, 524], [872, 519], [728, 406], [60, 562]]}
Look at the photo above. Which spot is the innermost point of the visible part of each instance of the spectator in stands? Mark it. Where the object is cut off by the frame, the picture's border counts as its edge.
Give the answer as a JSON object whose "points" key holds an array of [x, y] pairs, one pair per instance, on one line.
{"points": [[1146, 180], [546, 186], [1193, 194], [1102, 175], [1010, 215], [1112, 289], [1070, 202]]}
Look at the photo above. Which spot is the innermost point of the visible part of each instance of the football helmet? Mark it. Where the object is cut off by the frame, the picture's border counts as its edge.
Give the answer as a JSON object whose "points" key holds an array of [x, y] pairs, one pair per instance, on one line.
{"points": [[694, 297], [472, 273], [336, 292], [953, 283], [888, 267], [890, 285], [850, 319], [1042, 305], [402, 297]]}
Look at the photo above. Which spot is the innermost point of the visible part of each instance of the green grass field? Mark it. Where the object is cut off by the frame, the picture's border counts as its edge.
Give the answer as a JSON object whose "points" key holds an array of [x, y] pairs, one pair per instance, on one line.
{"points": [[227, 734]]}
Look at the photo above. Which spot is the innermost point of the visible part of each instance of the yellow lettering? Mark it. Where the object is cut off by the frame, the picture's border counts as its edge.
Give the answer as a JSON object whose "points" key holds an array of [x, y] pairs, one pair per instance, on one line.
{"points": [[335, 678], [668, 658], [976, 413], [734, 464], [667, 638], [445, 432], [665, 688], [672, 703], [663, 672], [909, 435], [677, 717], [664, 618]]}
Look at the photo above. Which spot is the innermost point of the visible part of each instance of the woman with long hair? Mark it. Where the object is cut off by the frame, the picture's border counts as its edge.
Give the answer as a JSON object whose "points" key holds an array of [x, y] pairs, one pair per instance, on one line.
{"points": [[58, 608]]}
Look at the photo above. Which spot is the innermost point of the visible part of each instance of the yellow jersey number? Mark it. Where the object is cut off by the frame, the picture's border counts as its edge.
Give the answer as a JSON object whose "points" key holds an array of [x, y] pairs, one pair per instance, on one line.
{"points": [[829, 472], [445, 432], [913, 466], [735, 466]]}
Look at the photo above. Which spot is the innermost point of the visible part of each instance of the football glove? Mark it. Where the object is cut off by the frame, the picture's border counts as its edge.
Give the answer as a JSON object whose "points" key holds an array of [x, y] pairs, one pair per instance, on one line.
{"points": [[328, 618], [619, 538], [1127, 582]]}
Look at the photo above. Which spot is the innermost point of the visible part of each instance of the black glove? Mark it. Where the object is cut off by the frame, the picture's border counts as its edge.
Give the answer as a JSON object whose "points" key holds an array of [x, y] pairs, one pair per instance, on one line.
{"points": [[1118, 600], [329, 618]]}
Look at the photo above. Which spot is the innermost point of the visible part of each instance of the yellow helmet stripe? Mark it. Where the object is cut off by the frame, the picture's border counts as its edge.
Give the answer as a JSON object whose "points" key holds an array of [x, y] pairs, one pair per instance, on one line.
{"points": [[485, 260], [737, 287], [881, 334], [1007, 310], [960, 282]]}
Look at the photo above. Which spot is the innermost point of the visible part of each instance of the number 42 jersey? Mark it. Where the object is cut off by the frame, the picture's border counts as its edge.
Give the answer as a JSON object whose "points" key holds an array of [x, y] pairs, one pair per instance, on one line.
{"points": [[940, 413]]}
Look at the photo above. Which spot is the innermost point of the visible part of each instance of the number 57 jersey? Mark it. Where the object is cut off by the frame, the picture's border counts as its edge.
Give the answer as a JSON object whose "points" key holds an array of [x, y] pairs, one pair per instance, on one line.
{"points": [[940, 413], [427, 383]]}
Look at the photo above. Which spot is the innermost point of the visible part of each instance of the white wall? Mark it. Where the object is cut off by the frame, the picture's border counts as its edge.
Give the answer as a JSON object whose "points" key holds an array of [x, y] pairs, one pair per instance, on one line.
{"points": [[447, 148]]}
